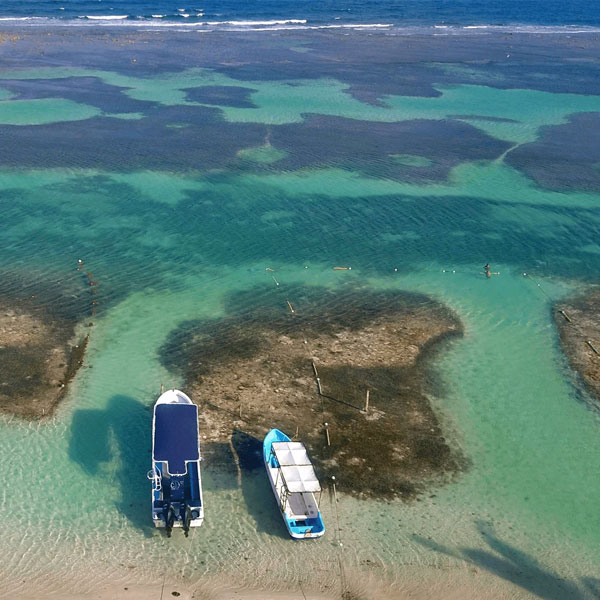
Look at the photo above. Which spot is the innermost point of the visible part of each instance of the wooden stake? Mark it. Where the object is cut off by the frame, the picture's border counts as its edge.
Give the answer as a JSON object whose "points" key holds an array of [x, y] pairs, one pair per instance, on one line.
{"points": [[162, 388], [290, 306], [367, 402], [327, 434], [315, 368], [589, 343], [565, 315]]}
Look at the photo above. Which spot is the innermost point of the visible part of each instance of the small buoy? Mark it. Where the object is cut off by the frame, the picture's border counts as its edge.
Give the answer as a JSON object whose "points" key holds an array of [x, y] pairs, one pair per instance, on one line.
{"points": [[524, 274], [454, 271], [443, 270], [395, 270], [306, 266]]}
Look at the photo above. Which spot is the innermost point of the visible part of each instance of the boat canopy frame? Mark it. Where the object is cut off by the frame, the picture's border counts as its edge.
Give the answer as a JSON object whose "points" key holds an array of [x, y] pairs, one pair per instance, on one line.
{"points": [[295, 469]]}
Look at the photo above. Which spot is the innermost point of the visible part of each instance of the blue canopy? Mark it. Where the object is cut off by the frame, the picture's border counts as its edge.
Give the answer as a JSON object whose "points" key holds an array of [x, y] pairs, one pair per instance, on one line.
{"points": [[176, 436]]}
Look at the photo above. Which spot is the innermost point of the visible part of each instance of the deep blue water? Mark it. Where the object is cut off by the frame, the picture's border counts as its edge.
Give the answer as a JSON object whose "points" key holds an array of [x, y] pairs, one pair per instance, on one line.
{"points": [[318, 13]]}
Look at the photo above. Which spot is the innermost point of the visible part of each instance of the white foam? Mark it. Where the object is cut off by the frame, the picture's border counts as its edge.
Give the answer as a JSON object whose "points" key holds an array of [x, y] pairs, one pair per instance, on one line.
{"points": [[353, 26], [182, 19], [258, 23], [106, 17]]}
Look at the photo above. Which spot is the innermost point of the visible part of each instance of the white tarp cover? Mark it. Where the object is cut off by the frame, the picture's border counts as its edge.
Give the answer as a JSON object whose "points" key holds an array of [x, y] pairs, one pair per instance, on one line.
{"points": [[291, 453], [296, 468], [300, 479]]}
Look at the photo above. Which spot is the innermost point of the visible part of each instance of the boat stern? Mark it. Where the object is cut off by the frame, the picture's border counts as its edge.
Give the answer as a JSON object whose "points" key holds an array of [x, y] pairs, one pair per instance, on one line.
{"points": [[307, 529]]}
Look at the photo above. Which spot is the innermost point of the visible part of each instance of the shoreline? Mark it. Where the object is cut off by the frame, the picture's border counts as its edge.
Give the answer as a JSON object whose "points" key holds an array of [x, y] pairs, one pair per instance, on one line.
{"points": [[415, 583]]}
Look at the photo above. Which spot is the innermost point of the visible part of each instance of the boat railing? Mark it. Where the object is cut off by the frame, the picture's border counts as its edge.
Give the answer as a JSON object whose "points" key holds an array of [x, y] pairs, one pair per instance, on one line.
{"points": [[156, 477]]}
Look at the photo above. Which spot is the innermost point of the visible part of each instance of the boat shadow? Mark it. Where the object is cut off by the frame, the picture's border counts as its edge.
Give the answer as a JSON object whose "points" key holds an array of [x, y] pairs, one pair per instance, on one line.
{"points": [[122, 432], [256, 489]]}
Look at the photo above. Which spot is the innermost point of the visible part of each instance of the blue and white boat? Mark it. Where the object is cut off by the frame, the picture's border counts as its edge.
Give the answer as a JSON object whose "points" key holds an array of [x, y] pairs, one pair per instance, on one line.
{"points": [[294, 484], [175, 473]]}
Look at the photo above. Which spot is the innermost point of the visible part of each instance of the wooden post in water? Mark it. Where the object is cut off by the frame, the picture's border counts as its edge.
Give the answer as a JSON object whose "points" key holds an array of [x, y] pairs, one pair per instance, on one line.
{"points": [[565, 315], [367, 402], [589, 343], [327, 433], [337, 517], [162, 389], [317, 378]]}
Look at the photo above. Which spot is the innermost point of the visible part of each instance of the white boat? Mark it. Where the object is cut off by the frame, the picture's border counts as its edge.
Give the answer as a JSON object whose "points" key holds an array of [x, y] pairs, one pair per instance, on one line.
{"points": [[294, 484], [175, 473]]}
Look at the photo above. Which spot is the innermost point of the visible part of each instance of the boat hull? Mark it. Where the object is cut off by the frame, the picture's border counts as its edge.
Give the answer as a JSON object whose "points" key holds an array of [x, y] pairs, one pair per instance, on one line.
{"points": [[175, 474], [299, 529]]}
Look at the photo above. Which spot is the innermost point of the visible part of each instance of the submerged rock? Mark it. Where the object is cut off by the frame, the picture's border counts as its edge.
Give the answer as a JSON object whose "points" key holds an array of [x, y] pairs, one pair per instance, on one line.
{"points": [[39, 348], [255, 371], [578, 322]]}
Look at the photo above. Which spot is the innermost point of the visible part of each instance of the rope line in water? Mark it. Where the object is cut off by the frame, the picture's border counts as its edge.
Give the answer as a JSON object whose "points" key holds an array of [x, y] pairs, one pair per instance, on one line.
{"points": [[567, 318]]}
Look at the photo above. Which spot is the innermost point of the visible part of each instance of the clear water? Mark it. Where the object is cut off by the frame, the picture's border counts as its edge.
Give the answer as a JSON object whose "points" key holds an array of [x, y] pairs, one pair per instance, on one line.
{"points": [[188, 201]]}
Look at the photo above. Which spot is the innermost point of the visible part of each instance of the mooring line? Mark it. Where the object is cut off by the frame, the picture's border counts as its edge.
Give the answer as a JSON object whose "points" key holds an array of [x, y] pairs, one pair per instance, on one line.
{"points": [[566, 316]]}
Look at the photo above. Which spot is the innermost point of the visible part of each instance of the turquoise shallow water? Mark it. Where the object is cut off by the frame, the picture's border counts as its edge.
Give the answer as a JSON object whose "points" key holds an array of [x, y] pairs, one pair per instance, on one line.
{"points": [[186, 203]]}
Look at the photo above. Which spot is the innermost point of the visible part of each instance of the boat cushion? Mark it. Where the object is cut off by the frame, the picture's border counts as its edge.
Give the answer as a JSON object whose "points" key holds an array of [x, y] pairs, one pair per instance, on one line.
{"points": [[176, 436]]}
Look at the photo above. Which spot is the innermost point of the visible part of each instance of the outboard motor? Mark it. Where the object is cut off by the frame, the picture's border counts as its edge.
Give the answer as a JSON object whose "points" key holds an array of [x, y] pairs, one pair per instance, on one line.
{"points": [[169, 516], [187, 518]]}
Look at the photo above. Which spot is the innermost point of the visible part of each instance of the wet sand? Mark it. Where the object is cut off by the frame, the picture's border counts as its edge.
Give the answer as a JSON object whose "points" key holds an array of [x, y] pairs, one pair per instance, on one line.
{"points": [[253, 372], [579, 333], [414, 583]]}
